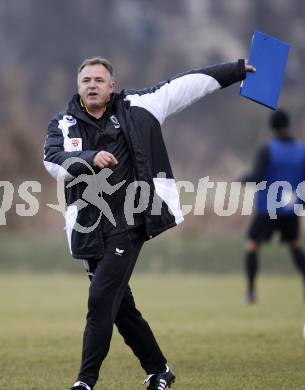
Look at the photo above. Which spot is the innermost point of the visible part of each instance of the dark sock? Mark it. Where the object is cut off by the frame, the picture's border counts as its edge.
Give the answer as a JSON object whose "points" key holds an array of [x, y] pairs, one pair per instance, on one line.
{"points": [[159, 370], [251, 264]]}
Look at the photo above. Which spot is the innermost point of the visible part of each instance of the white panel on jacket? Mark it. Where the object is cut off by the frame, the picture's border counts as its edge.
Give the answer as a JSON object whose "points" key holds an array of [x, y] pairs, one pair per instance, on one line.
{"points": [[57, 171], [175, 95], [166, 189], [70, 217], [70, 144]]}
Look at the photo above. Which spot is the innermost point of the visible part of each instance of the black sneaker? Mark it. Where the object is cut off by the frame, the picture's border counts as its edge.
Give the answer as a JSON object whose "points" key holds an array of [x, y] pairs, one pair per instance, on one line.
{"points": [[160, 381], [81, 386]]}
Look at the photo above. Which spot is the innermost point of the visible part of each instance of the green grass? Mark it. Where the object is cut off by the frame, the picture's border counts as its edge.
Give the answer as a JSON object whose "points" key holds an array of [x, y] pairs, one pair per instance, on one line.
{"points": [[218, 254], [211, 340]]}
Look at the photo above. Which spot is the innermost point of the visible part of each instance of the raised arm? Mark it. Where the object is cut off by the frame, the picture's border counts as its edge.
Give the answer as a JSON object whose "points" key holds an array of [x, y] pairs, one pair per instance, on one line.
{"points": [[175, 94]]}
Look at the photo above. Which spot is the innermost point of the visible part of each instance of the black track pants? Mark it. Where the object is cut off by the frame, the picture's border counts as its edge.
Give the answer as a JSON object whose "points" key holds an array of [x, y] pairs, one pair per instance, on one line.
{"points": [[111, 301]]}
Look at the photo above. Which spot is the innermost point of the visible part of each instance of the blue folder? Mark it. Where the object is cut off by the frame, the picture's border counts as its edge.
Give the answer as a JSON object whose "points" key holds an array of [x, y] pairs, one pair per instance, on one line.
{"points": [[269, 56]]}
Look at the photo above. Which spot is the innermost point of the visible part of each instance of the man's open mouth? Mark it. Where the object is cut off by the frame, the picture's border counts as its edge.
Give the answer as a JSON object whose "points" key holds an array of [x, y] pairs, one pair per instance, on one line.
{"points": [[92, 94]]}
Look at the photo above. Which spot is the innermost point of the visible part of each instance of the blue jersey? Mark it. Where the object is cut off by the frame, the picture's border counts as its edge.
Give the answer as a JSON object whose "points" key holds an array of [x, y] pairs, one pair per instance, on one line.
{"points": [[286, 162]]}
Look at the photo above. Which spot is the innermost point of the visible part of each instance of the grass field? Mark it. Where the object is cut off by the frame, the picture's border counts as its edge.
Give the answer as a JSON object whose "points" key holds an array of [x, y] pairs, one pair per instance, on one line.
{"points": [[211, 340], [44, 253]]}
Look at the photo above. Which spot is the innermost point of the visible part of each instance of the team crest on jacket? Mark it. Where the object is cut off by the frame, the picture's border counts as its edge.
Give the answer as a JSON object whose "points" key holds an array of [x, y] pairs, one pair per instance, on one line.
{"points": [[115, 121], [70, 120], [76, 144]]}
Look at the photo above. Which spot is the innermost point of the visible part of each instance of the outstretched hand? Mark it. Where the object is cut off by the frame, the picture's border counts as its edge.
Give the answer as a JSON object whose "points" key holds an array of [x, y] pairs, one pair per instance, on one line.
{"points": [[249, 68]]}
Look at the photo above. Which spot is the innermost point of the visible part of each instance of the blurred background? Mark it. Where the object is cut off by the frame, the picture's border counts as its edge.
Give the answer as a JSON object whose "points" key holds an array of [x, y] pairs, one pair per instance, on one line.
{"points": [[42, 44]]}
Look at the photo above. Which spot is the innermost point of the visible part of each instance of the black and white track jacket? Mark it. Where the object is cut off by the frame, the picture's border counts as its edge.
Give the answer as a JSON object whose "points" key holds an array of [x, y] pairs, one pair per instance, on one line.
{"points": [[140, 114]]}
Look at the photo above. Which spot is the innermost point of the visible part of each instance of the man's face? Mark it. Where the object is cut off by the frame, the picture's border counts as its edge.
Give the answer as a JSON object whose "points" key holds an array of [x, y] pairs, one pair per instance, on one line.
{"points": [[95, 86]]}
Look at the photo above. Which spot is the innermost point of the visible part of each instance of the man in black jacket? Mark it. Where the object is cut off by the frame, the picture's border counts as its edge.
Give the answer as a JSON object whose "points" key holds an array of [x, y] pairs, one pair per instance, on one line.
{"points": [[107, 217]]}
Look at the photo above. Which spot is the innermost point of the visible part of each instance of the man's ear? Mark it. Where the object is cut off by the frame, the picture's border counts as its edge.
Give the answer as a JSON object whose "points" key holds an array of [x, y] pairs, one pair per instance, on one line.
{"points": [[78, 83]]}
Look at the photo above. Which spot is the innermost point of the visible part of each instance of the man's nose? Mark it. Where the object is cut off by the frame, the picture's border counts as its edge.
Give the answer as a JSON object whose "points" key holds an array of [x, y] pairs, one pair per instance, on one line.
{"points": [[92, 84]]}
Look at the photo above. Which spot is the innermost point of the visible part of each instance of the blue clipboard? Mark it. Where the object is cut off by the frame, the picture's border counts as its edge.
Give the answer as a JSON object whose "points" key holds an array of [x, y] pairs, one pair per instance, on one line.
{"points": [[269, 56]]}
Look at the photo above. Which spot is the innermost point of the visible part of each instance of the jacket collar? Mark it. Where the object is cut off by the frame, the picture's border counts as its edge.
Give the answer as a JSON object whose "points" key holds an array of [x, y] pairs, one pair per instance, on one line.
{"points": [[79, 112]]}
